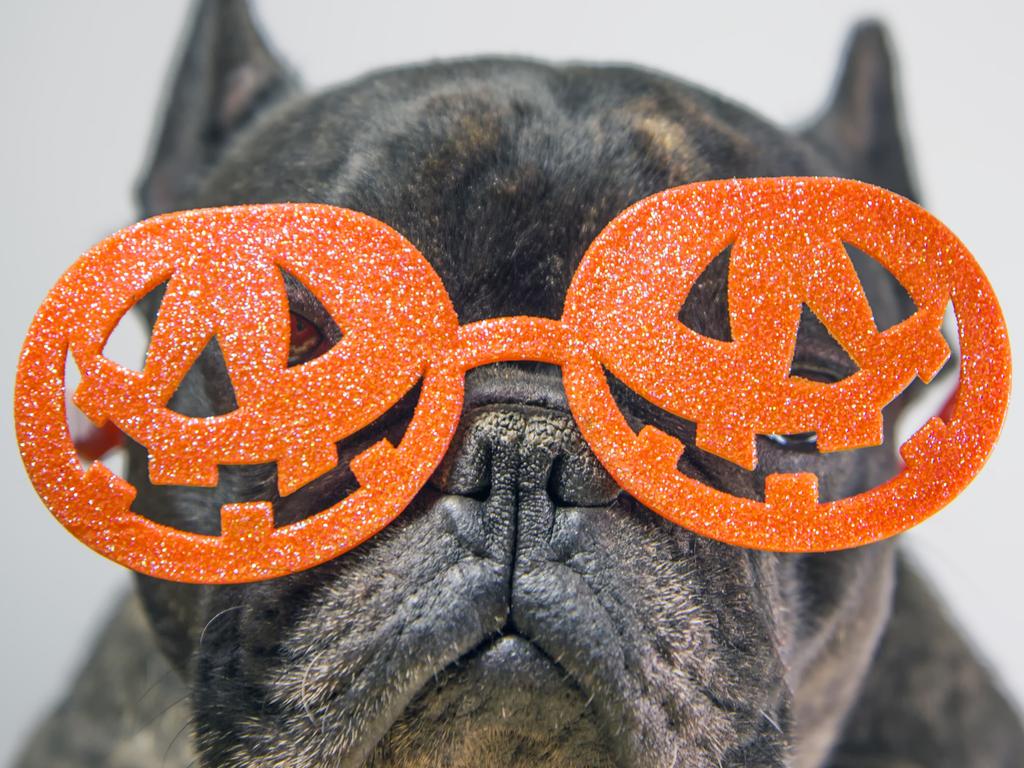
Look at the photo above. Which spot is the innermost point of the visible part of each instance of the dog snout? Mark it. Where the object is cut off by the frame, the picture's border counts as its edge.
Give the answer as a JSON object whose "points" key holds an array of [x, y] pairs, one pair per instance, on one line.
{"points": [[522, 444], [519, 483]]}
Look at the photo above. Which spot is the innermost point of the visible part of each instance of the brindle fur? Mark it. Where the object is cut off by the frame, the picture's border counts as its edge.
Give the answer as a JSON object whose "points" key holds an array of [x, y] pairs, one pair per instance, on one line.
{"points": [[522, 611]]}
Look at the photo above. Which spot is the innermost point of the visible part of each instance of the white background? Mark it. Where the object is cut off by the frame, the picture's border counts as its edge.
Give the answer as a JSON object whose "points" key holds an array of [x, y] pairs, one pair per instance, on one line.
{"points": [[81, 83]]}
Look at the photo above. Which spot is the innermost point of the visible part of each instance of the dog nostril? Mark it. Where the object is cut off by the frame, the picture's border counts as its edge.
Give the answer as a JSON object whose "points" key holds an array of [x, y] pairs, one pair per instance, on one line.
{"points": [[504, 446], [553, 489], [483, 493], [478, 487], [466, 470], [576, 479]]}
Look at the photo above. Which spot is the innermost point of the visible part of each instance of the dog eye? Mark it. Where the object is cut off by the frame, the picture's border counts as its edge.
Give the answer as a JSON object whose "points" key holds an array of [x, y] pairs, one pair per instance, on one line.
{"points": [[307, 341], [804, 441]]}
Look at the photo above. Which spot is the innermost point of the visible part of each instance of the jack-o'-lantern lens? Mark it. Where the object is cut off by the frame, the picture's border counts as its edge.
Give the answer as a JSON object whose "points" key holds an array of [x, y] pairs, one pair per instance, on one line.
{"points": [[787, 238], [223, 269]]}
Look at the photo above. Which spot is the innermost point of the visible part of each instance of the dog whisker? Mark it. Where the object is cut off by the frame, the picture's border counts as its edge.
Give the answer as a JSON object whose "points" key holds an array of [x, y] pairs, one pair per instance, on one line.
{"points": [[304, 698], [202, 635], [188, 724], [771, 722], [162, 713]]}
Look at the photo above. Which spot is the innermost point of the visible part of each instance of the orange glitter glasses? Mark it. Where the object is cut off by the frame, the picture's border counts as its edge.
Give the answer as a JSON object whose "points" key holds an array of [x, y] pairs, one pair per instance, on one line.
{"points": [[399, 328]]}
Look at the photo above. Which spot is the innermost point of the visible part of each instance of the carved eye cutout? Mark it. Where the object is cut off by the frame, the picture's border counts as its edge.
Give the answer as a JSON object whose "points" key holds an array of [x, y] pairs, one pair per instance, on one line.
{"points": [[306, 341], [312, 329]]}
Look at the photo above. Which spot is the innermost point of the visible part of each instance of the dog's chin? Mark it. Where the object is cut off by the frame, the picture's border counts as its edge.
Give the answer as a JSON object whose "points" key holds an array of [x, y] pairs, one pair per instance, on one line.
{"points": [[504, 704]]}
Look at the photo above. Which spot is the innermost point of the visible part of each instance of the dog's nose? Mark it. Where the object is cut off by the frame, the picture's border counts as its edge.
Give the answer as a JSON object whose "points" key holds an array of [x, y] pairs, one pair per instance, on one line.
{"points": [[517, 438], [514, 448]]}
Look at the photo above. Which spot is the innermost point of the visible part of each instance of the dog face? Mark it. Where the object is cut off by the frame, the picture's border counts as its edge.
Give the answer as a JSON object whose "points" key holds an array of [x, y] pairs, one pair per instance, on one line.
{"points": [[523, 610]]}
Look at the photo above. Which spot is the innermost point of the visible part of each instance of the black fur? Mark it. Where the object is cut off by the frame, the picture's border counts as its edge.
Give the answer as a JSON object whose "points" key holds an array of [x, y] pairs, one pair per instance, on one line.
{"points": [[523, 611]]}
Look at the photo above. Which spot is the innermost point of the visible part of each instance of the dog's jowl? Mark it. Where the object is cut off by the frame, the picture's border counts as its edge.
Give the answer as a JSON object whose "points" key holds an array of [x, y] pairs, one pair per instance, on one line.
{"points": [[523, 611]]}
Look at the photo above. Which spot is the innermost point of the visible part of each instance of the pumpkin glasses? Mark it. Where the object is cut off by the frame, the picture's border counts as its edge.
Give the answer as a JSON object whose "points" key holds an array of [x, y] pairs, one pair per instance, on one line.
{"points": [[223, 268]]}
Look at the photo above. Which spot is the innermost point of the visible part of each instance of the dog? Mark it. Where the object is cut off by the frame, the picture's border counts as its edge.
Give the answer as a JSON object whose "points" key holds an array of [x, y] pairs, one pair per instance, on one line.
{"points": [[523, 610]]}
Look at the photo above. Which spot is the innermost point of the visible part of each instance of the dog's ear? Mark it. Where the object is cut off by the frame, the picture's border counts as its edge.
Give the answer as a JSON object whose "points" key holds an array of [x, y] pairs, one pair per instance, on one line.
{"points": [[860, 129], [226, 76]]}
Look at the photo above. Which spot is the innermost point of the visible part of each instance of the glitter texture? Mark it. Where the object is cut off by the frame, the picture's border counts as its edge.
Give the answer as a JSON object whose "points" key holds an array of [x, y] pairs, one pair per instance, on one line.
{"points": [[399, 327], [787, 236]]}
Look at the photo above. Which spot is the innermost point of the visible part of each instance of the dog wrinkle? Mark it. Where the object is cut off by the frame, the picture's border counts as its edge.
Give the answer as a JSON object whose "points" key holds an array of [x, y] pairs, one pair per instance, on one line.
{"points": [[343, 695]]}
